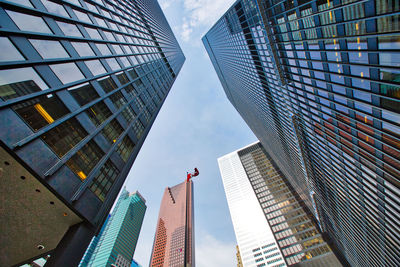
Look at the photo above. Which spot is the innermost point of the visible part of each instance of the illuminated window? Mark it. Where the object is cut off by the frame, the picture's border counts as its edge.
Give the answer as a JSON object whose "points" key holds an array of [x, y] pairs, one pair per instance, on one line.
{"points": [[83, 161], [64, 136], [41, 111]]}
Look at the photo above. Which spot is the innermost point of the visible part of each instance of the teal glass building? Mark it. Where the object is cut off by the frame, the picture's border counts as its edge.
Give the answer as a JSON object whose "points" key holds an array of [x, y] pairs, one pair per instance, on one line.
{"points": [[117, 240]]}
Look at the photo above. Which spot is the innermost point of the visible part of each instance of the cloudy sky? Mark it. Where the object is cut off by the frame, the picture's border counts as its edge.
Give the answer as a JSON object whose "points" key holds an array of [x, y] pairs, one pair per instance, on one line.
{"points": [[195, 126]]}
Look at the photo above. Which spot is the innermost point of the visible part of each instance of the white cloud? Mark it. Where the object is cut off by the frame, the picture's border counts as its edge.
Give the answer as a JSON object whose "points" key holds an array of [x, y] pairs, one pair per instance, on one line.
{"points": [[186, 31], [165, 4], [211, 252], [201, 14]]}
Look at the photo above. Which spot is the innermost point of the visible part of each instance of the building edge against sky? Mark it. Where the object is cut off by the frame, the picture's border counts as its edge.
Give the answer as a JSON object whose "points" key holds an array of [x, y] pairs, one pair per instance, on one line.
{"points": [[317, 82], [81, 84], [174, 237], [116, 242]]}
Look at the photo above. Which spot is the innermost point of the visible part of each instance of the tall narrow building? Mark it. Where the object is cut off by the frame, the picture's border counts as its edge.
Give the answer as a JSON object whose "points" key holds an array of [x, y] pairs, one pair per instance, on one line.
{"points": [[174, 239], [317, 82], [259, 196], [116, 243], [81, 83]]}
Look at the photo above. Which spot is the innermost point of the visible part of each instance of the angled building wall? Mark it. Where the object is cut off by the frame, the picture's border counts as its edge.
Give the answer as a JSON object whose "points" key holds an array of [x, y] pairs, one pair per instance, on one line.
{"points": [[317, 82], [81, 83]]}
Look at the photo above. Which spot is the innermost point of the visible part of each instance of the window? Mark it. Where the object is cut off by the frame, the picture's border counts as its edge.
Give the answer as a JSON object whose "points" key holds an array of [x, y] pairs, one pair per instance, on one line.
{"points": [[41, 111], [67, 72], [93, 33], [49, 49], [55, 8], [108, 84], [104, 50], [95, 67], [123, 79], [138, 128], [69, 29], [98, 113], [125, 148], [28, 22], [64, 136], [83, 161], [112, 131], [83, 93], [83, 49], [103, 181], [19, 82], [8, 51], [113, 64]]}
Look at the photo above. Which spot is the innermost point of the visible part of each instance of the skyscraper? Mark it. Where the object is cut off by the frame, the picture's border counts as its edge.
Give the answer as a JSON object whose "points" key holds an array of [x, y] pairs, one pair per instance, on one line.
{"points": [[317, 82], [174, 239], [81, 83], [116, 244], [248, 173]]}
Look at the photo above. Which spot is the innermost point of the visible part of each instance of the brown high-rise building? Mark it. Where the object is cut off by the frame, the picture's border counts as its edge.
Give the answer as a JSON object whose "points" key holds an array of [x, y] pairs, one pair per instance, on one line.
{"points": [[174, 240]]}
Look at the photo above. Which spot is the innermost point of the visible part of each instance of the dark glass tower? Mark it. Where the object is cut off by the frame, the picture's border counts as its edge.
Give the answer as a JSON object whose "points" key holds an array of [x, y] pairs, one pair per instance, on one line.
{"points": [[81, 83], [318, 83]]}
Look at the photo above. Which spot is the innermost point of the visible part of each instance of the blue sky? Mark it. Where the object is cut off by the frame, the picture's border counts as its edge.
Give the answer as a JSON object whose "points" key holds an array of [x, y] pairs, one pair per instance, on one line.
{"points": [[195, 126]]}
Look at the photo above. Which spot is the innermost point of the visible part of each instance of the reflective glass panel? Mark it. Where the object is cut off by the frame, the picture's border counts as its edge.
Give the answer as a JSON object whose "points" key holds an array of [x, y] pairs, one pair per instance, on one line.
{"points": [[28, 22], [67, 72], [49, 49], [8, 51]]}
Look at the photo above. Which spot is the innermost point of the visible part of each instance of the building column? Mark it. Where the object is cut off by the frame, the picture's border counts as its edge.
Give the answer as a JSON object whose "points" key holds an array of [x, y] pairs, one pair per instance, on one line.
{"points": [[72, 246]]}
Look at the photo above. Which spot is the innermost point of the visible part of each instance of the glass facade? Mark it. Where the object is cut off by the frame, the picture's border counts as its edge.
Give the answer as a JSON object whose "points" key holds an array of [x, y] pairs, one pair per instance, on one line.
{"points": [[174, 238], [81, 83], [293, 226], [256, 242], [118, 237], [317, 83]]}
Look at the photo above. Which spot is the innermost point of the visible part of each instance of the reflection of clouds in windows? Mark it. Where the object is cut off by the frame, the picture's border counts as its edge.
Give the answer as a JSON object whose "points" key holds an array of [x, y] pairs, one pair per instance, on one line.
{"points": [[95, 67], [28, 22], [67, 72], [69, 29], [49, 49], [8, 51], [113, 63], [19, 75], [104, 50], [55, 8], [83, 49]]}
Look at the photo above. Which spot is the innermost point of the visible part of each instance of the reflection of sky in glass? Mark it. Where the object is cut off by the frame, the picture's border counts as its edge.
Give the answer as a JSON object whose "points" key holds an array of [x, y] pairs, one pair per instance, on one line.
{"points": [[82, 16], [69, 29], [49, 49], [83, 49], [22, 2], [104, 50], [8, 51], [125, 61], [55, 8], [389, 59], [29, 23], [95, 67], [19, 75], [67, 72], [93, 33], [113, 63]]}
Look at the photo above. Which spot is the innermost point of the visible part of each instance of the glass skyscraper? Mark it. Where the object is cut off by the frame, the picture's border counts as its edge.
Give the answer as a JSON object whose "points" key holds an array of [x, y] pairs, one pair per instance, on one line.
{"points": [[272, 225], [317, 82], [117, 241], [81, 83], [174, 238]]}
